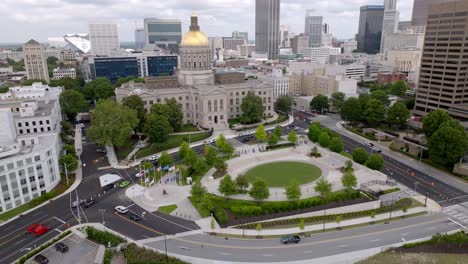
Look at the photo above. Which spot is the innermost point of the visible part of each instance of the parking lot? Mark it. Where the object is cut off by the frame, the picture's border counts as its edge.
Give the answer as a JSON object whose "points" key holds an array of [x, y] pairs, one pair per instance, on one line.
{"points": [[80, 251]]}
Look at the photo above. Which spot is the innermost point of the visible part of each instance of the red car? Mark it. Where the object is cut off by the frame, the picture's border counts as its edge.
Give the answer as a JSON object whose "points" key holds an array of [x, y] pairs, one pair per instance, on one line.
{"points": [[38, 229], [31, 228]]}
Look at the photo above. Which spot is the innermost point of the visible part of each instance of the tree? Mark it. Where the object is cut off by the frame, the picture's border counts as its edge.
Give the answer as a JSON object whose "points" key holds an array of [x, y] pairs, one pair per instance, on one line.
{"points": [[349, 166], [337, 100], [338, 220], [134, 102], [224, 145], [283, 104], [375, 162], [220, 165], [293, 191], [273, 140], [190, 158], [292, 137], [157, 127], [210, 155], [261, 134], [447, 145], [252, 109], [52, 60], [242, 182], [323, 187], [360, 155], [349, 181], [67, 83], [399, 88], [160, 109], [165, 159], [351, 110], [324, 139], [69, 161], [375, 112], [398, 114], [363, 100], [199, 166], [206, 203], [73, 102], [380, 96], [183, 149], [319, 103], [314, 131], [69, 149], [259, 190], [175, 114], [197, 191], [227, 186], [433, 120], [410, 102], [301, 224], [336, 144], [101, 88], [278, 131], [372, 215], [111, 123]]}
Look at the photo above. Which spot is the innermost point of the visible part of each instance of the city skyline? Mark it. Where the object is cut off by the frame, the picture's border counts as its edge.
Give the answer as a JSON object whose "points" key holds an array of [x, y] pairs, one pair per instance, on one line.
{"points": [[33, 19]]}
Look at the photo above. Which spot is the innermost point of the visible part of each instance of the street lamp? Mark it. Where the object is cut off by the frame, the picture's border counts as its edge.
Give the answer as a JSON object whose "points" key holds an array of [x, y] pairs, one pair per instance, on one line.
{"points": [[102, 211], [66, 173], [165, 248]]}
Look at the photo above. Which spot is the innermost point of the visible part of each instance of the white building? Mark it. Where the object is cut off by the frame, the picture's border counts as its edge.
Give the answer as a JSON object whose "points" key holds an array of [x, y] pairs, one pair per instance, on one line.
{"points": [[104, 38], [12, 55], [60, 73], [403, 39], [71, 42], [246, 50], [35, 91], [35, 61], [327, 39], [405, 60], [216, 44], [279, 82], [352, 71], [320, 54], [390, 21], [349, 46]]}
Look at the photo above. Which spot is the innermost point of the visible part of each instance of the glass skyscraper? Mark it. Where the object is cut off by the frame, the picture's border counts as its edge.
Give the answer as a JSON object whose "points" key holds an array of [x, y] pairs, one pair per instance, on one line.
{"points": [[314, 29], [267, 27], [166, 33], [370, 28], [115, 67]]}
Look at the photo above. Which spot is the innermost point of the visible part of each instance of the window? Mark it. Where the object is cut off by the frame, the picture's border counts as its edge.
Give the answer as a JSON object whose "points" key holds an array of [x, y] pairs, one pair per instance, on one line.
{"points": [[10, 166], [37, 158], [32, 179], [180, 98], [21, 131], [28, 131], [221, 105], [40, 122], [209, 105], [26, 123], [23, 181], [216, 105], [33, 123], [19, 124], [19, 163], [47, 122]]}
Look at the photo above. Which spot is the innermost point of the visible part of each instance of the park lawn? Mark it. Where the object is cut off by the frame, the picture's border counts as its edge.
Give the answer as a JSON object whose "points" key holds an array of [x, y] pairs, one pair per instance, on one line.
{"points": [[173, 141], [280, 174], [167, 209]]}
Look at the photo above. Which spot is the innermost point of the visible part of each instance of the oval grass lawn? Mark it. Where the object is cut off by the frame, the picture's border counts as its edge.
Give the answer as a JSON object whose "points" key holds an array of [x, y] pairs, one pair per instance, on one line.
{"points": [[280, 174]]}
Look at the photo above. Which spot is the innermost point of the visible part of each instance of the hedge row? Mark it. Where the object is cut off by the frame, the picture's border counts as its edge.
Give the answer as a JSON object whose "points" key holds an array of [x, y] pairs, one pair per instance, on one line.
{"points": [[282, 145], [102, 237], [44, 246], [391, 190], [220, 215], [246, 210]]}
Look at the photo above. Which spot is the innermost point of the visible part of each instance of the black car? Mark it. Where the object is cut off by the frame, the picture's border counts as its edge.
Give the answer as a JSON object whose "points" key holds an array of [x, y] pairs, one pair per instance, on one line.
{"points": [[134, 217], [290, 239], [89, 203], [40, 259], [108, 187], [61, 247]]}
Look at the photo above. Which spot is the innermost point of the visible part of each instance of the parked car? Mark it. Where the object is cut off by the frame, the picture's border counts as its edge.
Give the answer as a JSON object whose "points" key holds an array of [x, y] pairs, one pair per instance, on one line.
{"points": [[61, 247], [121, 209], [89, 203], [101, 150], [154, 157], [124, 184], [367, 143], [290, 239], [108, 187], [134, 217], [377, 150], [41, 259]]}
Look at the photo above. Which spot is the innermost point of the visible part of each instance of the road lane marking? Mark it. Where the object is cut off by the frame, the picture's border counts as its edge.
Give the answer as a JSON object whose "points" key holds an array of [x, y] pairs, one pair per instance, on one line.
{"points": [[267, 255], [309, 251], [10, 227], [223, 253], [37, 213], [60, 231], [140, 225], [22, 228], [404, 234], [342, 246], [403, 239], [60, 220], [375, 240], [20, 241], [455, 222]]}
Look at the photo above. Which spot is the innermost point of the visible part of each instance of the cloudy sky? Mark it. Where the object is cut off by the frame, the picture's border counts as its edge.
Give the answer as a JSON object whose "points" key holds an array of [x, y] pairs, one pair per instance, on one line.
{"points": [[21, 20]]}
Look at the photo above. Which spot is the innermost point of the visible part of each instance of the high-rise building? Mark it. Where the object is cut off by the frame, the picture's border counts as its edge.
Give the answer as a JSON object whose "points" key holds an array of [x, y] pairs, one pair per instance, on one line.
{"points": [[104, 38], [370, 28], [140, 40], [314, 28], [166, 33], [442, 79], [240, 35], [233, 43], [404, 25], [267, 27], [421, 9], [284, 36], [299, 43], [390, 20], [35, 61], [326, 28]]}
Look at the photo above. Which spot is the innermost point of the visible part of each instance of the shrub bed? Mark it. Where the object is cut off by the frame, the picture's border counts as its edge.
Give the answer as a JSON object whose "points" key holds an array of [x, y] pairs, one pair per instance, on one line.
{"points": [[391, 190], [102, 237], [138, 255], [459, 238], [283, 145]]}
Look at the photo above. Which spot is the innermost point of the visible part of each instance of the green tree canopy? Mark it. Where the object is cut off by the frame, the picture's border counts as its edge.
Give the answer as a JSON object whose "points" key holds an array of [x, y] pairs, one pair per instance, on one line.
{"points": [[197, 191], [273, 140], [112, 123], [101, 88], [70, 161], [252, 109], [349, 181], [351, 110], [319, 103], [398, 114], [206, 203], [242, 182], [283, 104], [160, 109], [261, 134], [314, 131], [323, 187], [381, 96], [190, 158], [259, 190], [433, 120], [73, 102], [165, 159], [224, 146], [360, 155], [210, 155], [278, 131], [227, 186], [363, 100], [292, 137], [175, 114], [183, 149], [337, 100], [199, 166], [447, 145], [399, 88], [67, 83], [375, 162], [324, 139], [375, 112], [134, 102], [157, 127], [336, 144], [293, 191]]}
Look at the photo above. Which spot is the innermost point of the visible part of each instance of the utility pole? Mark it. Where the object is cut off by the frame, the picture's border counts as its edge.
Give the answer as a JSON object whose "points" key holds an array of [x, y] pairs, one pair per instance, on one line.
{"points": [[165, 248], [78, 207], [102, 211]]}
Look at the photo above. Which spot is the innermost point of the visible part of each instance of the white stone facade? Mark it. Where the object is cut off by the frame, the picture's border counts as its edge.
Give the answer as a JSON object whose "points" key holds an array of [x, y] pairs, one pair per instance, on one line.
{"points": [[104, 38], [320, 54], [35, 61], [60, 73]]}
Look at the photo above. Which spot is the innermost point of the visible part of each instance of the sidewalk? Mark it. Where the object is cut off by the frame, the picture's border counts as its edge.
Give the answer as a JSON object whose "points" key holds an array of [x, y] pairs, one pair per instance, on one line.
{"points": [[423, 167]]}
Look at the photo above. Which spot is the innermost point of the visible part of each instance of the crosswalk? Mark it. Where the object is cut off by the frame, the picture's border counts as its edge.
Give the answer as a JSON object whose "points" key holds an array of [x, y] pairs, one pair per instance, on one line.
{"points": [[457, 212]]}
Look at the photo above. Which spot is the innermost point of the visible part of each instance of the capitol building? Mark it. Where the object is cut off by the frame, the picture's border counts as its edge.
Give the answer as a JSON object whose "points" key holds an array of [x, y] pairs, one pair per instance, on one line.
{"points": [[208, 98]]}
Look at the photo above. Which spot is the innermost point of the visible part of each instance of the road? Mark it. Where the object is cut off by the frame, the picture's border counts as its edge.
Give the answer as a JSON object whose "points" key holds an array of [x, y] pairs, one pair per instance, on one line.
{"points": [[316, 246]]}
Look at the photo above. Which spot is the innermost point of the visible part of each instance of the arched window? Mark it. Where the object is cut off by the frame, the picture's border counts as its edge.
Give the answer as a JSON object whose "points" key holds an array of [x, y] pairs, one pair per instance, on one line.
{"points": [[209, 119], [209, 105], [194, 64], [216, 105]]}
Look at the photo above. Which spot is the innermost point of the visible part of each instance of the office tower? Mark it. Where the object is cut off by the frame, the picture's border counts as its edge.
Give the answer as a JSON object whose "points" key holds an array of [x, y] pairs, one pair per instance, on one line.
{"points": [[370, 28], [421, 9], [314, 28], [104, 38], [299, 43], [404, 25], [267, 27], [284, 36], [35, 61], [166, 33], [140, 41], [240, 35], [442, 79], [390, 20], [233, 43]]}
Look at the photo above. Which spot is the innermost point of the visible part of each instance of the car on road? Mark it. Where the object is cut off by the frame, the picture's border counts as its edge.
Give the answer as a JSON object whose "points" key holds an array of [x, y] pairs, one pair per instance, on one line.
{"points": [[108, 187], [121, 209], [209, 141], [100, 150], [134, 217], [41, 259], [154, 157], [124, 184], [290, 239], [89, 203], [40, 229], [369, 144], [77, 203], [377, 150], [61, 247]]}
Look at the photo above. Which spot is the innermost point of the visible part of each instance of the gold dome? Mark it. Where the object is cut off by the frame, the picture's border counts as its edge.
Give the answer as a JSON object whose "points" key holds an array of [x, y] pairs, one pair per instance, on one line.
{"points": [[194, 38]]}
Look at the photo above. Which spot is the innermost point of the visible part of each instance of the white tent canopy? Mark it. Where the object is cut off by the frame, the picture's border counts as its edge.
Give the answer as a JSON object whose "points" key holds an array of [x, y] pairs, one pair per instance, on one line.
{"points": [[109, 179]]}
